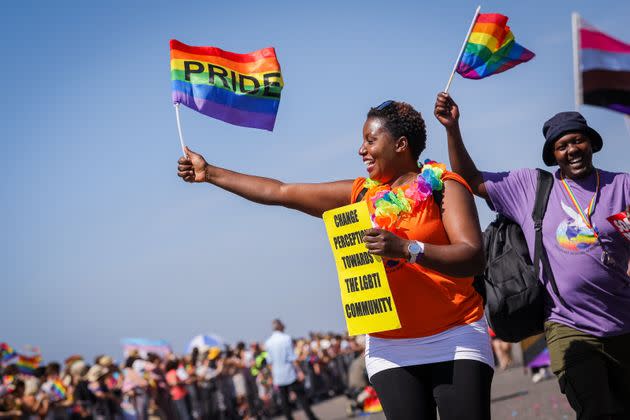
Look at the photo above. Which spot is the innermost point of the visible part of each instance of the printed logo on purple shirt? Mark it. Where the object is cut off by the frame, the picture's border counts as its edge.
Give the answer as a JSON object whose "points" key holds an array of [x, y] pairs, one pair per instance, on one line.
{"points": [[572, 233]]}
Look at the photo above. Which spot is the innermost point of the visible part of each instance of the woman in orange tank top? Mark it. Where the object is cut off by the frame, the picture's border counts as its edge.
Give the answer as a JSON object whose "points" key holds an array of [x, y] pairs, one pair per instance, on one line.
{"points": [[427, 231]]}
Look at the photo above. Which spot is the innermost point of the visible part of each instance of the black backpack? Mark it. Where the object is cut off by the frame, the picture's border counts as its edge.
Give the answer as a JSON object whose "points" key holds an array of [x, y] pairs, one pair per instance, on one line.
{"points": [[514, 297]]}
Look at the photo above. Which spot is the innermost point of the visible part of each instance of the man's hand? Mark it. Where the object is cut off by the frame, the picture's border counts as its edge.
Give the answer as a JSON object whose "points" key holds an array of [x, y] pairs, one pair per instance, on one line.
{"points": [[446, 110]]}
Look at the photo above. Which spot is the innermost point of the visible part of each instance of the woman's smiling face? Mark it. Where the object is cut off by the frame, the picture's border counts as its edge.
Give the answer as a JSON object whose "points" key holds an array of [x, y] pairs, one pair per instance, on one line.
{"points": [[378, 150]]}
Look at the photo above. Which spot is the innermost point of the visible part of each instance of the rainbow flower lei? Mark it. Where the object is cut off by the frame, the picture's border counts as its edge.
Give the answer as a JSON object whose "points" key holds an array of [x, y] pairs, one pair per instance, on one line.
{"points": [[387, 206]]}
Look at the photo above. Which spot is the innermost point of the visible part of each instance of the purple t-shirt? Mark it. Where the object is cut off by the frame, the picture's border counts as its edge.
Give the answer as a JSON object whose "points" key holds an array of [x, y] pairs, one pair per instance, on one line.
{"points": [[598, 295]]}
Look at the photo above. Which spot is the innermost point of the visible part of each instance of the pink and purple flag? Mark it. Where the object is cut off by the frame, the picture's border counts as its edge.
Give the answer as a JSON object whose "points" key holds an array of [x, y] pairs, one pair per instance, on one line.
{"points": [[604, 69]]}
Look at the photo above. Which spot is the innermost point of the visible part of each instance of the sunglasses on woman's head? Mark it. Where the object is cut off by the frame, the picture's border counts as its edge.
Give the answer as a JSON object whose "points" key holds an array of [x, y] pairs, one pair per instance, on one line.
{"points": [[384, 105]]}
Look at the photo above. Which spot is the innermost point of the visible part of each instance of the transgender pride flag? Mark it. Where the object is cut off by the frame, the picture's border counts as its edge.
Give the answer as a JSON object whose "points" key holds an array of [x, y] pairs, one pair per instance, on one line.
{"points": [[602, 68]]}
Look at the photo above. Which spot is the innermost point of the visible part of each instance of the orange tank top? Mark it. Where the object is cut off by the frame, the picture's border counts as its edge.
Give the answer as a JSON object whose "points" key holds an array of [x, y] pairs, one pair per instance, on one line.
{"points": [[428, 302]]}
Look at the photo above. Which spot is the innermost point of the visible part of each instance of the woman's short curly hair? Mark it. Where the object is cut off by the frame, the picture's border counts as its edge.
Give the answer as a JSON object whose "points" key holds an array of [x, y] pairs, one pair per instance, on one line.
{"points": [[401, 119]]}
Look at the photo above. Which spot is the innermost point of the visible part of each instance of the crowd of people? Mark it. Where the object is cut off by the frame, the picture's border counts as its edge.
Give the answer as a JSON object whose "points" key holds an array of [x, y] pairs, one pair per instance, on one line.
{"points": [[212, 383]]}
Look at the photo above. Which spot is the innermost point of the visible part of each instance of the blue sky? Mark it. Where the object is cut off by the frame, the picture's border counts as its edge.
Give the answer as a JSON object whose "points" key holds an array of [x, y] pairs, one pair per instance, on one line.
{"points": [[101, 239]]}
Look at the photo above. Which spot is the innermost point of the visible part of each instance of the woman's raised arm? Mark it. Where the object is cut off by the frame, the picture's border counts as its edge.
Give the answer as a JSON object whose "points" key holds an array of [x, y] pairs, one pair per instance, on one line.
{"points": [[313, 199]]}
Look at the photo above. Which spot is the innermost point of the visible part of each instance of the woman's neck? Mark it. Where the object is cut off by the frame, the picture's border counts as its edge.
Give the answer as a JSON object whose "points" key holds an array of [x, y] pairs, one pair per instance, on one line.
{"points": [[404, 178]]}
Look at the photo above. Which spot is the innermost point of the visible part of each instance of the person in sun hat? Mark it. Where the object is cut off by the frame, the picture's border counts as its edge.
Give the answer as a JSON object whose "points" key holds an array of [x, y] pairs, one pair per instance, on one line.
{"points": [[588, 331], [97, 387], [105, 361], [81, 396], [427, 231], [135, 387]]}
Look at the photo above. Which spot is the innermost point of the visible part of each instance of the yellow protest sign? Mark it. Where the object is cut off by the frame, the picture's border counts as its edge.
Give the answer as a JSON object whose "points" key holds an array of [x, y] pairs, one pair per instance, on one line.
{"points": [[367, 301]]}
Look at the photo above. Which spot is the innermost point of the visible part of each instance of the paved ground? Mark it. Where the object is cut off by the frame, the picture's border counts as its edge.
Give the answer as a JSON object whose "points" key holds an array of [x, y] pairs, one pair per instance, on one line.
{"points": [[514, 397]]}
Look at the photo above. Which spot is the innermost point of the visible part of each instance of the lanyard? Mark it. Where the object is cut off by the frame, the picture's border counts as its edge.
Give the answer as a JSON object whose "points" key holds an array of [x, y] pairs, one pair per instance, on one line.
{"points": [[591, 205]]}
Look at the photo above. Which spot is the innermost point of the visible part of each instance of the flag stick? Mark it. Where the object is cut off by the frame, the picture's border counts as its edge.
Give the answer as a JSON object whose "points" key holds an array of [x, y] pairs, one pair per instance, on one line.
{"points": [[626, 118], [577, 77], [179, 128], [461, 51]]}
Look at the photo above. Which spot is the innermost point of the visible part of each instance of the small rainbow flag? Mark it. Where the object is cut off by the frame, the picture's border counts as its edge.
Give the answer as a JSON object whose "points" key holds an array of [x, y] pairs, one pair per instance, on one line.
{"points": [[371, 404], [6, 352], [241, 89], [491, 48], [28, 364], [58, 390]]}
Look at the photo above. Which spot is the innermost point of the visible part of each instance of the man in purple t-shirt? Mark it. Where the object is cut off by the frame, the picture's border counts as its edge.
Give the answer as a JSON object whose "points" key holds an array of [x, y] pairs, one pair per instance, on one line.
{"points": [[589, 337]]}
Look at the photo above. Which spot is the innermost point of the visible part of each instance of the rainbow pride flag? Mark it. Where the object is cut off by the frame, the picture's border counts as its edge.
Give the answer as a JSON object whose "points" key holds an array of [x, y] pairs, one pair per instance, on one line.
{"points": [[241, 89], [6, 352], [491, 48], [58, 390], [28, 364]]}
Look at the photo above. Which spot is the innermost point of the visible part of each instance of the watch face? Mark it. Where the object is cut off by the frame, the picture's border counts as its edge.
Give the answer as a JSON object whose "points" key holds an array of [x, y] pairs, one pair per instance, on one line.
{"points": [[414, 248]]}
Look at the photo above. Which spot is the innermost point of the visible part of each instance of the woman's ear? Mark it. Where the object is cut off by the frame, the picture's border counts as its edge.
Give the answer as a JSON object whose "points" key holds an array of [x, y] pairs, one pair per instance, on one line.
{"points": [[402, 144]]}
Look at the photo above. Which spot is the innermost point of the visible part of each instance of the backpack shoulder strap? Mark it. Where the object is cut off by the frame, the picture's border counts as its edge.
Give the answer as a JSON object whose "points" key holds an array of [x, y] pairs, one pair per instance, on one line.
{"points": [[543, 190]]}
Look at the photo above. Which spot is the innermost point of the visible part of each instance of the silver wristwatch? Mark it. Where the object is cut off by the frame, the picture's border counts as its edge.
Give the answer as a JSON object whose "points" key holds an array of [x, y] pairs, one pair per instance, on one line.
{"points": [[416, 249]]}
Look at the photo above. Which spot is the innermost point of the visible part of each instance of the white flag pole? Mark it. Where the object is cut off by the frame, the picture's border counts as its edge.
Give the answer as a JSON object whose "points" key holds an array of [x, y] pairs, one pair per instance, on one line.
{"points": [[179, 128], [577, 77], [461, 51], [626, 118]]}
